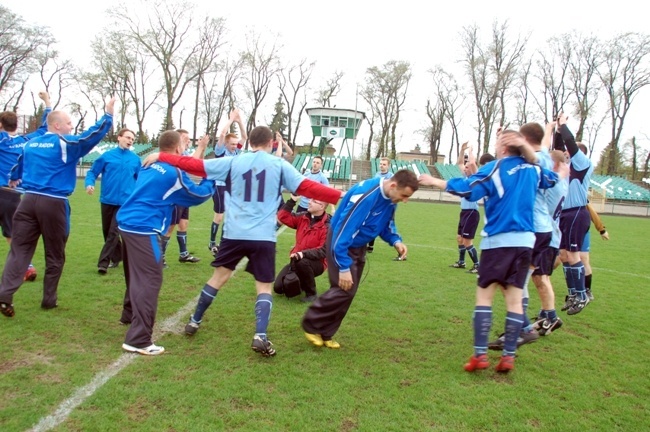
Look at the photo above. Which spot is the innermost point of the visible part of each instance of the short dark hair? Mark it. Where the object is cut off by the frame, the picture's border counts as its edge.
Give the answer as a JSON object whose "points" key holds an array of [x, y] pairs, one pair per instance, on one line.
{"points": [[182, 131], [169, 140], [125, 130], [318, 157], [9, 121], [260, 135], [485, 158], [533, 132], [405, 178]]}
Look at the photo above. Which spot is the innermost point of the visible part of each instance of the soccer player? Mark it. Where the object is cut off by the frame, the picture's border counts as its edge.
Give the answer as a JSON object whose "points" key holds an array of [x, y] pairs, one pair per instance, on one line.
{"points": [[256, 180], [11, 147], [308, 254], [510, 184], [366, 211], [142, 220], [229, 145], [384, 173], [469, 215], [586, 246], [47, 170], [119, 169], [574, 220], [316, 175]]}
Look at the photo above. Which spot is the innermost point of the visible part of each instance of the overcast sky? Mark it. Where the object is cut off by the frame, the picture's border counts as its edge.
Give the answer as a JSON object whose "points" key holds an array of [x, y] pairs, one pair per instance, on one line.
{"points": [[354, 35]]}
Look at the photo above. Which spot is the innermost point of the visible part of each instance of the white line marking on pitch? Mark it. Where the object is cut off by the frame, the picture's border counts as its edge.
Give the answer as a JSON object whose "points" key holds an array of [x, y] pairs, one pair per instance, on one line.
{"points": [[83, 393]]}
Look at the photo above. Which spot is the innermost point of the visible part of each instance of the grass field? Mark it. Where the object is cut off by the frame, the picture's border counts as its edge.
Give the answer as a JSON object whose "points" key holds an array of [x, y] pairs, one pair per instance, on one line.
{"points": [[404, 342]]}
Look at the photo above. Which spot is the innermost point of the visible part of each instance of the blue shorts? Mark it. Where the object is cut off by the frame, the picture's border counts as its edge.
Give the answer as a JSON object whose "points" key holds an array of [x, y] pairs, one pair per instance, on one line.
{"points": [[180, 213], [468, 223], [546, 262], [574, 224], [586, 243], [542, 243], [219, 199], [260, 254], [505, 266]]}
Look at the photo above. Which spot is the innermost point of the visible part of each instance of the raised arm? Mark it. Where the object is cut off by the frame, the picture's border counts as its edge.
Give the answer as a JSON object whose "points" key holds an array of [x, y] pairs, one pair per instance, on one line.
{"points": [[201, 145], [461, 155]]}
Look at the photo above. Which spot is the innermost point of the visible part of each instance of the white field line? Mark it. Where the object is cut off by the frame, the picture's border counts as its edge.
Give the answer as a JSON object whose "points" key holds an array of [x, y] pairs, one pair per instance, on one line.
{"points": [[169, 325]]}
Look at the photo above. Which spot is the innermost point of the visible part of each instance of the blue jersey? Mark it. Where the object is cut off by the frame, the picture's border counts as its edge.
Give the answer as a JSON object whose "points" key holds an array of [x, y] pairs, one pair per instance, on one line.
{"points": [[48, 163], [318, 177], [579, 181], [255, 181], [385, 175], [119, 169], [510, 186], [364, 213], [555, 197], [541, 213], [11, 147], [158, 189]]}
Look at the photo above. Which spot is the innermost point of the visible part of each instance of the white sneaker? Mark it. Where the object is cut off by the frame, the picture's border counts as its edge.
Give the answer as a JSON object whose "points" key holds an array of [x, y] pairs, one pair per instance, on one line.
{"points": [[151, 350]]}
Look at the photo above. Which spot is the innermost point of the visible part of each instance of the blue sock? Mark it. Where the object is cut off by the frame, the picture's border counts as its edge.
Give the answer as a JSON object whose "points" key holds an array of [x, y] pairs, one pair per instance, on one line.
{"points": [[513, 328], [482, 320], [181, 237], [472, 254], [205, 300], [213, 232], [263, 307], [461, 254], [568, 276], [578, 271], [551, 315], [165, 242]]}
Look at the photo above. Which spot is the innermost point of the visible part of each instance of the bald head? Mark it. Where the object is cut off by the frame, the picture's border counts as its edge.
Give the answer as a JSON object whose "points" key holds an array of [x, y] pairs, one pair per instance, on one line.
{"points": [[59, 122]]}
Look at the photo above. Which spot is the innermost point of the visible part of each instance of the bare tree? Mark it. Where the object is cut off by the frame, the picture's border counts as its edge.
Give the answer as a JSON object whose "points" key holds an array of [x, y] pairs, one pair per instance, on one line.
{"points": [[210, 42], [583, 68], [524, 92], [166, 30], [293, 83], [330, 90], [490, 69], [552, 72], [386, 86], [624, 72], [592, 129], [631, 151], [260, 61], [20, 44]]}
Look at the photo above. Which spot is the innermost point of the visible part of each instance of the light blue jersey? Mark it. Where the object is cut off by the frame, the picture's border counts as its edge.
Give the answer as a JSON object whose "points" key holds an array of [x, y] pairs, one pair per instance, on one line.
{"points": [[541, 214], [318, 177], [385, 175], [510, 186], [555, 197], [255, 181], [579, 181]]}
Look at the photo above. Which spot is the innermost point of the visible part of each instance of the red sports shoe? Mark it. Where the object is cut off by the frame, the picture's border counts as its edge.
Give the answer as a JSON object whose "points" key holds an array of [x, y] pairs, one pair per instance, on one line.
{"points": [[30, 274], [477, 362], [506, 364]]}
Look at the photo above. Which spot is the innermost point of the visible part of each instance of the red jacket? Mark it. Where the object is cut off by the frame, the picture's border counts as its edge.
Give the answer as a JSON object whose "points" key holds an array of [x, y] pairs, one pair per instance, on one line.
{"points": [[310, 240]]}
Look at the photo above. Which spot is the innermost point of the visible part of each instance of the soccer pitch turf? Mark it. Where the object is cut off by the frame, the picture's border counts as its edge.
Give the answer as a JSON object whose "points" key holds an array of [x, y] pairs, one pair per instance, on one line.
{"points": [[404, 342]]}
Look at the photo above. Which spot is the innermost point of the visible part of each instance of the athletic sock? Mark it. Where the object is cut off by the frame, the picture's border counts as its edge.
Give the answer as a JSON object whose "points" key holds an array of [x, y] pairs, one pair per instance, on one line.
{"points": [[461, 254], [472, 254], [524, 303], [165, 243], [205, 300], [482, 320], [588, 282], [513, 328], [551, 315], [263, 307], [568, 277], [181, 237], [578, 272], [213, 232]]}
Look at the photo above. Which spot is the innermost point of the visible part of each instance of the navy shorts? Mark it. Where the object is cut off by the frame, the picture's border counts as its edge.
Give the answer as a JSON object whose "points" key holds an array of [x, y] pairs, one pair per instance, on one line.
{"points": [[260, 254], [542, 242], [468, 223], [505, 266], [8, 204], [574, 224], [546, 262], [180, 213], [219, 199]]}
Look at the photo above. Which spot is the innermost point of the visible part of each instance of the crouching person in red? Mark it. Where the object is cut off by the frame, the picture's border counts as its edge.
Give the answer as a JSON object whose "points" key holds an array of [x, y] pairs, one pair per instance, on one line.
{"points": [[308, 254]]}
